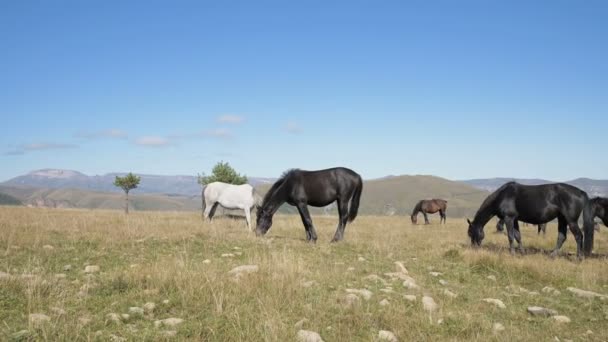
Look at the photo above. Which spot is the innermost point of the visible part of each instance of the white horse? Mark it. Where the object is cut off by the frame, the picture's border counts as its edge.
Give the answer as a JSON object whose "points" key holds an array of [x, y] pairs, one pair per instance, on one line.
{"points": [[229, 196]]}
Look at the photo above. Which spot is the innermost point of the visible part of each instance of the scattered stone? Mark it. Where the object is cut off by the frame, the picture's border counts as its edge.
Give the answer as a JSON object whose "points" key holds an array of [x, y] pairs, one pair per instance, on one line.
{"points": [[366, 294], [351, 299], [410, 284], [499, 303], [435, 274], [299, 324], [236, 248], [361, 259], [168, 333], [428, 303], [136, 311], [550, 290], [113, 317], [166, 301], [307, 284], [440, 321], [309, 336], [589, 332], [498, 327], [206, 261], [387, 290], [134, 266], [492, 278], [400, 267], [115, 338], [38, 319], [4, 275], [132, 328], [373, 277], [57, 311], [60, 276], [562, 319], [149, 307], [227, 255], [443, 282], [409, 298], [385, 335], [238, 253], [169, 322], [540, 311], [350, 269], [239, 271], [533, 293], [67, 268], [586, 294], [385, 302], [48, 247], [92, 269], [125, 317], [99, 333], [449, 293], [84, 321]]}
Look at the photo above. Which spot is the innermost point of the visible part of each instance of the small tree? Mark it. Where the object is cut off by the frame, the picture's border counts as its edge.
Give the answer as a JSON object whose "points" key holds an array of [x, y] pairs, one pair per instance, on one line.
{"points": [[127, 183], [222, 172]]}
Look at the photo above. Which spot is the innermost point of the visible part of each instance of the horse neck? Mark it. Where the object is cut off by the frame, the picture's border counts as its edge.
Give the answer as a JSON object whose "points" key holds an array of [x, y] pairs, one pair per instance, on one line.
{"points": [[275, 198], [485, 213], [417, 208]]}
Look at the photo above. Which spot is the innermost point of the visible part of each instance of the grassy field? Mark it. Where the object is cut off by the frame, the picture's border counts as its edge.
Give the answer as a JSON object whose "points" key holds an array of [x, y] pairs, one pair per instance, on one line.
{"points": [[161, 258]]}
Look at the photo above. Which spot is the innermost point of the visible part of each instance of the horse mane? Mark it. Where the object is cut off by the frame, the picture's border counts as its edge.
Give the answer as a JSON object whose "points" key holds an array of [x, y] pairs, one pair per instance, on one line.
{"points": [[482, 214], [417, 208], [273, 189]]}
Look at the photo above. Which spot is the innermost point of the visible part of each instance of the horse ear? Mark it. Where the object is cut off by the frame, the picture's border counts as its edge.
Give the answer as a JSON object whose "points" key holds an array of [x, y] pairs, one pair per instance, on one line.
{"points": [[469, 221]]}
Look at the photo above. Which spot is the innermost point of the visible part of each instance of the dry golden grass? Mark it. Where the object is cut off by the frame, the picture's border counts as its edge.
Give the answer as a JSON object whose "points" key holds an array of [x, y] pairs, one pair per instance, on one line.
{"points": [[153, 257]]}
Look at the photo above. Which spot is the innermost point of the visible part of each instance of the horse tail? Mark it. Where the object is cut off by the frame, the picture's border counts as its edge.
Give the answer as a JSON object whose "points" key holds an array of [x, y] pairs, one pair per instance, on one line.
{"points": [[588, 226], [203, 204], [354, 200]]}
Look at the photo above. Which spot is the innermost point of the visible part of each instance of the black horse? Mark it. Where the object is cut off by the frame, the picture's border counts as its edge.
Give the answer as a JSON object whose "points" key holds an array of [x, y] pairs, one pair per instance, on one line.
{"points": [[537, 204], [316, 188], [599, 207], [500, 227]]}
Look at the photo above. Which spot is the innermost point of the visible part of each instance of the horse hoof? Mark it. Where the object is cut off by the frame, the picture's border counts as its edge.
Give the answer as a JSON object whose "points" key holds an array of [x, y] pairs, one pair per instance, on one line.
{"points": [[553, 254]]}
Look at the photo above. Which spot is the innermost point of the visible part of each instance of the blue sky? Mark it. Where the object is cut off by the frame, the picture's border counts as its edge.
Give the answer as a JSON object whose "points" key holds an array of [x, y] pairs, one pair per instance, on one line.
{"points": [[458, 89]]}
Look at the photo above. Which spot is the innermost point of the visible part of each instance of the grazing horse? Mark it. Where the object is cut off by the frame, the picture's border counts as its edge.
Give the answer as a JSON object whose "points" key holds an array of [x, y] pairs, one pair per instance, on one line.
{"points": [[500, 227], [599, 207], [537, 204], [430, 206], [316, 188], [229, 196]]}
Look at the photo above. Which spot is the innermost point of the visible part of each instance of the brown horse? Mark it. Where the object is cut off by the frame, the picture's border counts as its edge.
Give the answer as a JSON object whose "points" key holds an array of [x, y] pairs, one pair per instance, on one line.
{"points": [[430, 207]]}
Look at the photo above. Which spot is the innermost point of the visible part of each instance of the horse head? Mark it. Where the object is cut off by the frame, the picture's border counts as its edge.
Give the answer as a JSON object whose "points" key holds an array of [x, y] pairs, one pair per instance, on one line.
{"points": [[263, 221], [475, 233], [414, 219]]}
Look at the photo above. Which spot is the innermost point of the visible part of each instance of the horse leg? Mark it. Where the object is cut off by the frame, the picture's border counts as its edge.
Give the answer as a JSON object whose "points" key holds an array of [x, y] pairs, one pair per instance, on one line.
{"points": [[562, 230], [517, 235], [578, 235], [443, 216], [311, 235], [343, 213], [208, 211], [426, 218], [509, 222], [248, 217]]}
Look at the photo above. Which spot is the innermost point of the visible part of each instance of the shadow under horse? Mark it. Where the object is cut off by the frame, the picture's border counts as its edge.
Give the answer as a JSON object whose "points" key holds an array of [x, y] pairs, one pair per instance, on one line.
{"points": [[537, 204], [430, 207], [301, 188], [500, 227]]}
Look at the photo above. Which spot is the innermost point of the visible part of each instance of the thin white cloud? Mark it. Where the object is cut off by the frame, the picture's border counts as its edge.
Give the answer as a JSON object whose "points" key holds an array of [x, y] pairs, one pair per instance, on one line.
{"points": [[152, 141], [32, 147], [293, 128], [219, 133], [230, 119], [112, 133]]}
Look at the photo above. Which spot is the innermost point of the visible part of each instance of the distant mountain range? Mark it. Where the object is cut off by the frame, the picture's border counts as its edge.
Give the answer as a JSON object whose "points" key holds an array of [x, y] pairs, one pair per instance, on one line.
{"points": [[593, 187]]}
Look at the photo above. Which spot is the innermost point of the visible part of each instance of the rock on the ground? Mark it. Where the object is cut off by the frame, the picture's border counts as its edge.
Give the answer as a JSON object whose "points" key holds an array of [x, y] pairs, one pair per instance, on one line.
{"points": [[586, 294], [492, 278], [4, 275], [428, 303], [409, 298], [361, 259], [309, 336], [387, 290], [92, 269], [385, 335], [397, 275], [299, 324], [540, 311], [366, 294], [206, 261], [435, 274], [351, 299], [38, 319], [239, 271], [443, 282], [375, 278], [227, 255], [550, 290], [410, 284], [166, 301], [136, 311], [125, 317], [84, 320], [562, 319], [168, 322], [449, 293], [113, 317], [149, 307], [385, 302], [400, 267], [60, 276], [499, 303], [48, 247], [67, 268], [498, 327]]}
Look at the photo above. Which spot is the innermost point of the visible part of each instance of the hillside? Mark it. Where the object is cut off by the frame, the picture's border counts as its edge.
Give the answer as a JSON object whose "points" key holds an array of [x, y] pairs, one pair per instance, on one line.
{"points": [[593, 187], [76, 198], [8, 200]]}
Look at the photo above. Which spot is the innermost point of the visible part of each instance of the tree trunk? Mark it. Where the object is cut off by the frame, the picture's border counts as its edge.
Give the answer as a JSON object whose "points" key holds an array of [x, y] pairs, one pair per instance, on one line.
{"points": [[126, 202]]}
